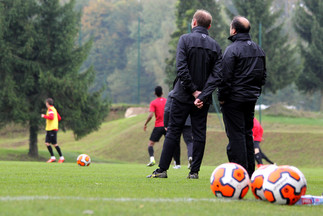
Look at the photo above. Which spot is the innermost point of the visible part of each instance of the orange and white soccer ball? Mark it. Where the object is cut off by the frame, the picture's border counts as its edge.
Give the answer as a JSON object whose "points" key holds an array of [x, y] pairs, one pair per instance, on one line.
{"points": [[257, 180], [83, 160], [284, 186], [230, 180], [303, 179]]}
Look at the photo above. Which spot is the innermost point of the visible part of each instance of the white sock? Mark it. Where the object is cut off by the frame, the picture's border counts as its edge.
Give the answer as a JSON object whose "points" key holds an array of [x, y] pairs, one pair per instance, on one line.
{"points": [[53, 157], [152, 158], [62, 158]]}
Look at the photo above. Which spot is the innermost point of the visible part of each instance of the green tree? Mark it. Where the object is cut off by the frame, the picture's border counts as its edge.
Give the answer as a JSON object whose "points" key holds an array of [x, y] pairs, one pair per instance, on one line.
{"points": [[42, 60], [308, 23], [156, 25], [16, 41], [113, 25], [281, 63], [185, 10], [108, 22]]}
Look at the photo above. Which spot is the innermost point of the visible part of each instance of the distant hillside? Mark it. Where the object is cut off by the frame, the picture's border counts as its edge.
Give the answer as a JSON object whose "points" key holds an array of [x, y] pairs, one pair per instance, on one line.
{"points": [[296, 141]]}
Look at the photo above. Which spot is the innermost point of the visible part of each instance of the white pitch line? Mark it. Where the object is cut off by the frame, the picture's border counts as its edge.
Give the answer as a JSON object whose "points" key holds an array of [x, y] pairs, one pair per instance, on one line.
{"points": [[122, 199]]}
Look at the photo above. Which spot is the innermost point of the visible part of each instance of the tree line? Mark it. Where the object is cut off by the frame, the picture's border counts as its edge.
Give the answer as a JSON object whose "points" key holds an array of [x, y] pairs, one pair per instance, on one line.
{"points": [[113, 26]]}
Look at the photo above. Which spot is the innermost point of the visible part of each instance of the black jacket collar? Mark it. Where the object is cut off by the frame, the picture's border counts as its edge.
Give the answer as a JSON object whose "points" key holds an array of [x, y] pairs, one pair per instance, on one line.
{"points": [[200, 29], [240, 36]]}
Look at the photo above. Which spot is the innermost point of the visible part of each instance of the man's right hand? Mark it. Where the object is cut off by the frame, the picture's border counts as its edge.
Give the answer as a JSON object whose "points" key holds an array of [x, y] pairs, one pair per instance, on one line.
{"points": [[145, 127], [198, 103]]}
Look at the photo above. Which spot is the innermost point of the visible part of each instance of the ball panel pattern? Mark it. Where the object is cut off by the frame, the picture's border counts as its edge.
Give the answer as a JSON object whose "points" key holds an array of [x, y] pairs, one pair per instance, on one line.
{"points": [[238, 174], [269, 196], [278, 173], [289, 193], [256, 186], [218, 187], [244, 191]]}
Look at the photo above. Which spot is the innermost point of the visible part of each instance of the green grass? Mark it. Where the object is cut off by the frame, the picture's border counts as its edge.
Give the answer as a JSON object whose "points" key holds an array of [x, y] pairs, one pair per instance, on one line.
{"points": [[293, 120], [22, 155], [122, 189], [115, 183]]}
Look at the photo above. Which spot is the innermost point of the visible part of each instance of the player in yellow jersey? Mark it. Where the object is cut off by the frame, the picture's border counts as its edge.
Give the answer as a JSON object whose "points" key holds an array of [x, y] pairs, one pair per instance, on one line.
{"points": [[52, 118]]}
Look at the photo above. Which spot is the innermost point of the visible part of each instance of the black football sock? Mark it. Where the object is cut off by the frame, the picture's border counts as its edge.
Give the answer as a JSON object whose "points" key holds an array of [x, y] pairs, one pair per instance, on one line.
{"points": [[50, 150], [258, 158], [177, 156], [151, 151], [59, 150], [266, 158]]}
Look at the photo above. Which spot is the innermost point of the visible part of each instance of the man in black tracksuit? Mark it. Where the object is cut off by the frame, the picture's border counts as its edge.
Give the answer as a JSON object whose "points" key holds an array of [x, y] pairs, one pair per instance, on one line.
{"points": [[244, 72], [187, 134], [199, 63]]}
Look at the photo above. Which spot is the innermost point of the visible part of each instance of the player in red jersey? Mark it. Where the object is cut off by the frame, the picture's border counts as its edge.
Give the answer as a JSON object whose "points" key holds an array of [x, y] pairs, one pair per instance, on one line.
{"points": [[257, 138], [156, 106], [52, 118]]}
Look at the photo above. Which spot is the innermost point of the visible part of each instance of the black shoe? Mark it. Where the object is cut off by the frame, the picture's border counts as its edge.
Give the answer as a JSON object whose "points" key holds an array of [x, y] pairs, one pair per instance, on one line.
{"points": [[157, 174], [193, 176]]}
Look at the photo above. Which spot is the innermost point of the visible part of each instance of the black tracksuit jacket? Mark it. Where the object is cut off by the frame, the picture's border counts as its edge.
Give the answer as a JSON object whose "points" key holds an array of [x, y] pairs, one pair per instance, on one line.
{"points": [[244, 70], [199, 63]]}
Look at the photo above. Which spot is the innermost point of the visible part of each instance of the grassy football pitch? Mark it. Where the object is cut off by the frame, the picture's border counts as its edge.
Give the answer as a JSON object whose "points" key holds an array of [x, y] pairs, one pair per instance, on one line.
{"points": [[37, 188]]}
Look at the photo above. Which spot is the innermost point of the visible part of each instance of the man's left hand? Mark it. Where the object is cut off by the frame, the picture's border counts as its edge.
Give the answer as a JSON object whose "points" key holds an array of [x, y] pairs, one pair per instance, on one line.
{"points": [[196, 94]]}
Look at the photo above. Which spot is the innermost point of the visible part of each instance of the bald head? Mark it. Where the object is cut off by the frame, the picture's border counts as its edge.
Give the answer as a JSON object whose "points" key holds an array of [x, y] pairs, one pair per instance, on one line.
{"points": [[240, 24], [203, 18]]}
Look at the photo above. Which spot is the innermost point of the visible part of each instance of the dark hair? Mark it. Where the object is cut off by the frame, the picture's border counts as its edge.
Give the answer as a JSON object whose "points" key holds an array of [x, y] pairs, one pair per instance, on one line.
{"points": [[50, 101], [239, 26], [203, 18], [158, 91]]}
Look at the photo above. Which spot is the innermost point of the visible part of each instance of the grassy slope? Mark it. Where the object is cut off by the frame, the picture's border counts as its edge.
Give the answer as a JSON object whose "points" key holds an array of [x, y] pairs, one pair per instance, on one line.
{"points": [[287, 140], [73, 187]]}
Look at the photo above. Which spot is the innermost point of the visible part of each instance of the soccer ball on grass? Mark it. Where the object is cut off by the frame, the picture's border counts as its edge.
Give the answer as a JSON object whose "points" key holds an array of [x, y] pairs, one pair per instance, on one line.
{"points": [[83, 160], [284, 185], [230, 180]]}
